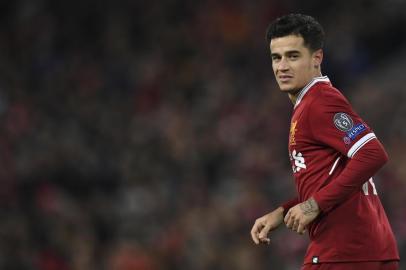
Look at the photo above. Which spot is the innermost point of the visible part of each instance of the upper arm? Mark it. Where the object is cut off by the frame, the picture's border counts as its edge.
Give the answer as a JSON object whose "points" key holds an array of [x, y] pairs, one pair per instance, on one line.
{"points": [[334, 123]]}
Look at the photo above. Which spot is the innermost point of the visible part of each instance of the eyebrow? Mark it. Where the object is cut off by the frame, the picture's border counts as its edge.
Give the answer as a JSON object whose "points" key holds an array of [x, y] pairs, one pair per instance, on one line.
{"points": [[286, 53]]}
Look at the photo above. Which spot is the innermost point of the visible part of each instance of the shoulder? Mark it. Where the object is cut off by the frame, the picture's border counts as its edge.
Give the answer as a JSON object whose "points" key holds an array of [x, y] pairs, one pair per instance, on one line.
{"points": [[326, 95]]}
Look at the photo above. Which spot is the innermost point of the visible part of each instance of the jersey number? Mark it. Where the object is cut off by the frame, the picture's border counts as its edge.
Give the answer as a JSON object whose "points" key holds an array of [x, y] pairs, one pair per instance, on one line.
{"points": [[365, 187]]}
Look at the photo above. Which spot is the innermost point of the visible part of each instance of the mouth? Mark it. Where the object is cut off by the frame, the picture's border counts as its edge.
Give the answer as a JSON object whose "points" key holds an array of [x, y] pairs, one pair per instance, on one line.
{"points": [[285, 78]]}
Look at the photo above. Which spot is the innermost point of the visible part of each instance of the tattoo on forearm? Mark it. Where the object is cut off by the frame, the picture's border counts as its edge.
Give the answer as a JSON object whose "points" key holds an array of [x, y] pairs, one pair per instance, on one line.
{"points": [[308, 207]]}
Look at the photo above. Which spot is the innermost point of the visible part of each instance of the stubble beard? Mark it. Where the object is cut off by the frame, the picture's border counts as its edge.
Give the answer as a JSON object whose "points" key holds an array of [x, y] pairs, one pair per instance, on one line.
{"points": [[293, 91]]}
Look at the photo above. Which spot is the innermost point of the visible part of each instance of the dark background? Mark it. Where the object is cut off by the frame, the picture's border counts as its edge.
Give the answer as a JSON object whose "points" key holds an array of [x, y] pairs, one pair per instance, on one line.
{"points": [[151, 134]]}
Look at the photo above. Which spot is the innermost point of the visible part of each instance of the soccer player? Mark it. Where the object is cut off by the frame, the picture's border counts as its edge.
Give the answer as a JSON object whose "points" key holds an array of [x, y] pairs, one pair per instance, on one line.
{"points": [[334, 155]]}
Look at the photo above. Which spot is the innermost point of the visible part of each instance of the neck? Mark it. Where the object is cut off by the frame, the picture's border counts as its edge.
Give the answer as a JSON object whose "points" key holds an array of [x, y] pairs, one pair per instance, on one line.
{"points": [[294, 94], [293, 97]]}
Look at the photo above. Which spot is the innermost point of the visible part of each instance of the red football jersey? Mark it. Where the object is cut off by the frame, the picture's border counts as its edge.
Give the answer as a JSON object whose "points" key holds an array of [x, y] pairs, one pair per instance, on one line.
{"points": [[325, 134]]}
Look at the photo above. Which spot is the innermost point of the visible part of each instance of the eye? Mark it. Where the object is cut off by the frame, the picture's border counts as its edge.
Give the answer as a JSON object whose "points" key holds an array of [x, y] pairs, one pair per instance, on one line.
{"points": [[294, 56], [275, 57]]}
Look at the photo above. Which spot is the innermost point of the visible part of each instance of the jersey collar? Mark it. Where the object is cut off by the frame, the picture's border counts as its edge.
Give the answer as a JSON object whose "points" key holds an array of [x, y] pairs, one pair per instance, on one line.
{"points": [[305, 89]]}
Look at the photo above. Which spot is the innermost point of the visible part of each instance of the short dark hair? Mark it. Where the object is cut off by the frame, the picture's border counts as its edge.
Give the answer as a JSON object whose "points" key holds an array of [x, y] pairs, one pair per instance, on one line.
{"points": [[298, 24]]}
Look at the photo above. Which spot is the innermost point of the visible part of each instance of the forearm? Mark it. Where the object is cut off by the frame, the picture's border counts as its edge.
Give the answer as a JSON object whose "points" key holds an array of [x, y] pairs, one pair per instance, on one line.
{"points": [[366, 162]]}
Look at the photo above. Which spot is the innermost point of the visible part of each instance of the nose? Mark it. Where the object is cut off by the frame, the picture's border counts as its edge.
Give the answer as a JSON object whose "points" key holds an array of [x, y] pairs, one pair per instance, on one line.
{"points": [[283, 64]]}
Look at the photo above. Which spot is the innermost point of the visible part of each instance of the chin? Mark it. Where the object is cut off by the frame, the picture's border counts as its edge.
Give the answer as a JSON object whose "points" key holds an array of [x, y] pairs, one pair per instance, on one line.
{"points": [[289, 89]]}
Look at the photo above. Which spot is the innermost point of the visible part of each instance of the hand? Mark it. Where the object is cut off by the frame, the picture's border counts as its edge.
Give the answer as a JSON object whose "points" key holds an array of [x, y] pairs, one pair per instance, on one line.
{"points": [[299, 216], [265, 224]]}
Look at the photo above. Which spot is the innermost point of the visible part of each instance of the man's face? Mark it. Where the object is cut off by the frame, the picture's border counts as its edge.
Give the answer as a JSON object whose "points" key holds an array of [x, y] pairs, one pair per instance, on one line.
{"points": [[294, 65]]}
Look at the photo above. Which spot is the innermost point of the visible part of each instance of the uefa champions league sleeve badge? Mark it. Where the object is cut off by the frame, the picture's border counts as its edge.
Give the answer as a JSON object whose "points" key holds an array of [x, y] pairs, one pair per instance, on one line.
{"points": [[343, 122]]}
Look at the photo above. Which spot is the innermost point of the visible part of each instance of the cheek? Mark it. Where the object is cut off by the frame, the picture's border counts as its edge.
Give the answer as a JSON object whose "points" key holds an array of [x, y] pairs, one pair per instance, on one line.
{"points": [[273, 67], [274, 70], [312, 64], [305, 68]]}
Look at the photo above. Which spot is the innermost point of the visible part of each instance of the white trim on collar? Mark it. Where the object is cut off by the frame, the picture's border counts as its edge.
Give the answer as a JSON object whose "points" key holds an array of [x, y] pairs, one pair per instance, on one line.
{"points": [[308, 86]]}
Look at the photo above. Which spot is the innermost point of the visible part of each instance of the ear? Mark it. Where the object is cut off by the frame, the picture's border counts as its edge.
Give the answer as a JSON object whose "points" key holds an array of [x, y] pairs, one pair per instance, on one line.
{"points": [[317, 58]]}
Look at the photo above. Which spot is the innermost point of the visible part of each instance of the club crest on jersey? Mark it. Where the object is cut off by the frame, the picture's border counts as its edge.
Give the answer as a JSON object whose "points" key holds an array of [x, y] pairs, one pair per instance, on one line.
{"points": [[298, 161], [292, 140], [343, 122]]}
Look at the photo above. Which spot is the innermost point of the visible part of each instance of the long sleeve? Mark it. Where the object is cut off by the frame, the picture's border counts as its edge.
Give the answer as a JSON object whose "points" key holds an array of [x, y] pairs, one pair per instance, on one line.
{"points": [[363, 165]]}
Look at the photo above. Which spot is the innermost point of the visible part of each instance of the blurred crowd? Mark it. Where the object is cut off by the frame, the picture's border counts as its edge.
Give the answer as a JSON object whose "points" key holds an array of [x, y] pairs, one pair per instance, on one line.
{"points": [[149, 135]]}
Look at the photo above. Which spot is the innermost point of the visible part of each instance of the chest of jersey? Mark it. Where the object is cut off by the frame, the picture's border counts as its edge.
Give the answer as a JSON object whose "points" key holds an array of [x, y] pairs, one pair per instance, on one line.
{"points": [[299, 143], [311, 160]]}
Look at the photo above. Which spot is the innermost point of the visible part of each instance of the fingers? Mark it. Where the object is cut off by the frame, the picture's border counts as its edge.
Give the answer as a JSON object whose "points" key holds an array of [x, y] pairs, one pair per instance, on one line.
{"points": [[287, 217], [264, 233], [260, 232], [294, 223], [301, 228], [289, 220], [255, 232]]}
